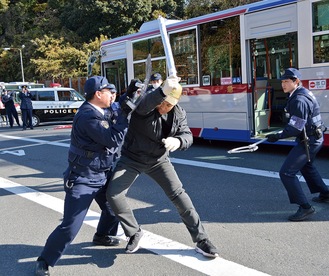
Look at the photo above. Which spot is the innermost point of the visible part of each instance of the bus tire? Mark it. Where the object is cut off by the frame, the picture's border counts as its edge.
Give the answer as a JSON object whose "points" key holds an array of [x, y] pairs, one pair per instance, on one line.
{"points": [[35, 120]]}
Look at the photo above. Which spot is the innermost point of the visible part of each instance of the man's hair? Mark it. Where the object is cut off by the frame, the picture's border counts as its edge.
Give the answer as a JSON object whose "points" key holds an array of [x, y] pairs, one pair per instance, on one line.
{"points": [[89, 96]]}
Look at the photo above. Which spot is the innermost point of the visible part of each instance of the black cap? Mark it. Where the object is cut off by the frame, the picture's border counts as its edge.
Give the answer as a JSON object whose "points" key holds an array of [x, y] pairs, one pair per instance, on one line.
{"points": [[291, 73], [97, 83], [156, 76]]}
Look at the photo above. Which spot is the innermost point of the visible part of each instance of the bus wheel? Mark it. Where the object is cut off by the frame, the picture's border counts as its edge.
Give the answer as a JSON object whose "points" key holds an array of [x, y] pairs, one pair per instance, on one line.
{"points": [[35, 120]]}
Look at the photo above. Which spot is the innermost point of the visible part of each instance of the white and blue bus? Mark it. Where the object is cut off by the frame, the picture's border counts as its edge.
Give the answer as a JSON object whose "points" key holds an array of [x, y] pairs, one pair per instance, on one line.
{"points": [[230, 63]]}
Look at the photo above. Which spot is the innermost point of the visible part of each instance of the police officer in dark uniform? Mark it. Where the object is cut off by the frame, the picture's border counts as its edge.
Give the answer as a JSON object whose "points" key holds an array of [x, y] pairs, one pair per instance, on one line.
{"points": [[156, 80], [8, 101], [305, 124], [95, 139], [26, 107]]}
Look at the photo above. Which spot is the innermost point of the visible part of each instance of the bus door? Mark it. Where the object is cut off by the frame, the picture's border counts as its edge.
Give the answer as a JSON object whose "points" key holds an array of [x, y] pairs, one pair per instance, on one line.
{"points": [[272, 47], [269, 58], [116, 72]]}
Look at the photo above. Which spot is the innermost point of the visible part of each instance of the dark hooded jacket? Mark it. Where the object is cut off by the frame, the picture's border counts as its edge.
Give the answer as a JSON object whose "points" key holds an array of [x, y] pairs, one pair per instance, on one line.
{"points": [[143, 141]]}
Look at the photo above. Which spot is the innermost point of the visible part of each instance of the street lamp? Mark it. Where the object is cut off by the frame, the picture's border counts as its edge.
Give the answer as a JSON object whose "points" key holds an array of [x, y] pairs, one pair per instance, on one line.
{"points": [[21, 58]]}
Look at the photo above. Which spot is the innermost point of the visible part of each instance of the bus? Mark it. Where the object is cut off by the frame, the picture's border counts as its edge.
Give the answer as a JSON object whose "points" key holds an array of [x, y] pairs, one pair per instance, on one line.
{"points": [[230, 63]]}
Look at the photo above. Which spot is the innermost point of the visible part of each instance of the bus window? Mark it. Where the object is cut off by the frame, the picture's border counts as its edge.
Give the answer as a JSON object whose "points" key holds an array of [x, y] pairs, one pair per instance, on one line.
{"points": [[157, 66], [221, 51], [185, 55], [272, 55], [115, 72], [320, 12], [142, 48]]}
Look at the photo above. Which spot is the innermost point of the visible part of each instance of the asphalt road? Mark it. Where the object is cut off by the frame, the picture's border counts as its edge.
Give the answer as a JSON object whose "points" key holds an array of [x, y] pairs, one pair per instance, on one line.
{"points": [[239, 198]]}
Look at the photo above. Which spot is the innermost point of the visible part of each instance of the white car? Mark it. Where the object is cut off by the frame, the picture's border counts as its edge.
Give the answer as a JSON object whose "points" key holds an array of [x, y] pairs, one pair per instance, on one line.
{"points": [[54, 104]]}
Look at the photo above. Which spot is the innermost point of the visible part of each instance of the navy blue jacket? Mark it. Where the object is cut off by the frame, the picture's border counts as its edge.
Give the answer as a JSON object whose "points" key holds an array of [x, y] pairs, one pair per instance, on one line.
{"points": [[302, 109], [95, 141], [26, 102], [8, 100]]}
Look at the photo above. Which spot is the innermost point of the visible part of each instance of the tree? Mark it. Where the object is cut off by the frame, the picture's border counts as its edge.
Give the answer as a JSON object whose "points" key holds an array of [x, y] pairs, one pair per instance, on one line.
{"points": [[58, 59]]}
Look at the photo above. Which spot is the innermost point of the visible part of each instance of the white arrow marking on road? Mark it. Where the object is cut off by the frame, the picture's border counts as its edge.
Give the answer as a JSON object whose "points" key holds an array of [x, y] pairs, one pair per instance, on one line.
{"points": [[14, 152]]}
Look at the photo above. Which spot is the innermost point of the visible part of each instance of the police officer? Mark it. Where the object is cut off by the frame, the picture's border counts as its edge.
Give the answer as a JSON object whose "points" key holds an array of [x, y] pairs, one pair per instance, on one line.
{"points": [[8, 101], [95, 140], [26, 107], [156, 80], [305, 124]]}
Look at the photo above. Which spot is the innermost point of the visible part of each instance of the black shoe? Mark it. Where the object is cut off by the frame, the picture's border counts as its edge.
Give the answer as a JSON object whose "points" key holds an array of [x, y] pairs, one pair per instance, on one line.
{"points": [[322, 198], [41, 268], [206, 248], [31, 127], [105, 240], [302, 214], [133, 243], [24, 128]]}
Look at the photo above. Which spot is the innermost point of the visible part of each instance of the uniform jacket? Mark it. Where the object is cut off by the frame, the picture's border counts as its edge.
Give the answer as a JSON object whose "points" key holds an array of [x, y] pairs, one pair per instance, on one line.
{"points": [[95, 140], [26, 102], [8, 100], [301, 105], [143, 139]]}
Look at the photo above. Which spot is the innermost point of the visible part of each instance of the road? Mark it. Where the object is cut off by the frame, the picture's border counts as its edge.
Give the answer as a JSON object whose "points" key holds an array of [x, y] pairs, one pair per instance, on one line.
{"points": [[239, 198]]}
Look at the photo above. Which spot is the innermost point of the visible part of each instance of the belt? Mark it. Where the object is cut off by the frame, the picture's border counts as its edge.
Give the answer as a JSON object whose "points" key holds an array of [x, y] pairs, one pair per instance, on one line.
{"points": [[86, 153]]}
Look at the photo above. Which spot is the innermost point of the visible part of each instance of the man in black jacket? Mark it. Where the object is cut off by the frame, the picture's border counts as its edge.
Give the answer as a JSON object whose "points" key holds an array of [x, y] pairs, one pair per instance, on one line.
{"points": [[158, 126]]}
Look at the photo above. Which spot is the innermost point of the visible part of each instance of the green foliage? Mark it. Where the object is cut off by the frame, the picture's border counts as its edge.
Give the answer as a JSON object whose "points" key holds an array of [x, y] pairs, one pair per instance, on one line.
{"points": [[60, 35]]}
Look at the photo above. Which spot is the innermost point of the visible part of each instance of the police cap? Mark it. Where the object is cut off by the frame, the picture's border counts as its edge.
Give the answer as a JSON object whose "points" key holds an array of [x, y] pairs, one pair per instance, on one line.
{"points": [[291, 73], [97, 83], [156, 76]]}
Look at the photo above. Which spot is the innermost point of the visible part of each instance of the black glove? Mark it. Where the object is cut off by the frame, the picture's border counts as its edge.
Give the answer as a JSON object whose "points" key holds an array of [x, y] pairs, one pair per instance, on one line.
{"points": [[272, 138], [126, 109], [132, 88]]}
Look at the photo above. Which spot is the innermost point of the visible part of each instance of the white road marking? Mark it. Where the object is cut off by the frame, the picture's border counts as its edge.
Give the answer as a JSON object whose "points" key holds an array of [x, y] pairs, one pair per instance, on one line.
{"points": [[14, 152], [172, 250], [175, 251]]}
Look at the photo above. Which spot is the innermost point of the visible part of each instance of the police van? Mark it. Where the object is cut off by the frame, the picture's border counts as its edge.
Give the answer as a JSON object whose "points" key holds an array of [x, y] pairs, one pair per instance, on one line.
{"points": [[54, 104], [15, 87]]}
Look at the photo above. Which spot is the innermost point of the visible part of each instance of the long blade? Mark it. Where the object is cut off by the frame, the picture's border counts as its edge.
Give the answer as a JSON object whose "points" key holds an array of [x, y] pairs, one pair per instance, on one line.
{"points": [[167, 47], [148, 73]]}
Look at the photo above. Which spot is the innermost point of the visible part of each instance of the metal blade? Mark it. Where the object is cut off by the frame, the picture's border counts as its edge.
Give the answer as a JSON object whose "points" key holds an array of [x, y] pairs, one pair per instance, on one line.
{"points": [[167, 47]]}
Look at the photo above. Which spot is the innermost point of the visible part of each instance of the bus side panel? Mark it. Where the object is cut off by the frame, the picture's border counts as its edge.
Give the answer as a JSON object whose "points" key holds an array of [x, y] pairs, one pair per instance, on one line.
{"points": [[219, 116]]}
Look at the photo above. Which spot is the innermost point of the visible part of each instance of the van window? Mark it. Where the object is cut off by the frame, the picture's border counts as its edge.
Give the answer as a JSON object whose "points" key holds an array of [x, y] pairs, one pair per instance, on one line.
{"points": [[46, 96], [43, 95], [64, 96]]}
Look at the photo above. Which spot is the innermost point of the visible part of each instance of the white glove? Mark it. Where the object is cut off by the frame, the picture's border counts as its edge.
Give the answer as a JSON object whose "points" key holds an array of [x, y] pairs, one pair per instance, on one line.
{"points": [[171, 143], [170, 84]]}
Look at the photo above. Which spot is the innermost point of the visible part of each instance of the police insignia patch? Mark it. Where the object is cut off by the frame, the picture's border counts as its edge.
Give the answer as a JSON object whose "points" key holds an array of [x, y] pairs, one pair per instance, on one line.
{"points": [[105, 124]]}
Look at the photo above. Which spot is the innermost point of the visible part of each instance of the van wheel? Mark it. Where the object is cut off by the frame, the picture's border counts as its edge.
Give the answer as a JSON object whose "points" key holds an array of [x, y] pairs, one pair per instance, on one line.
{"points": [[35, 120]]}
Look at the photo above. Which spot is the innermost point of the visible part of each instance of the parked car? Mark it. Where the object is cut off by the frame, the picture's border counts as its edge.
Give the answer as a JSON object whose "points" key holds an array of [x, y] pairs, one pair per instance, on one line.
{"points": [[54, 104]]}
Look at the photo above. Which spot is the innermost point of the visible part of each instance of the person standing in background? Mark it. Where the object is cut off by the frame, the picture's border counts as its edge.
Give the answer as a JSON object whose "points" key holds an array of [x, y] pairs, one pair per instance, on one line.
{"points": [[26, 107], [8, 100]]}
